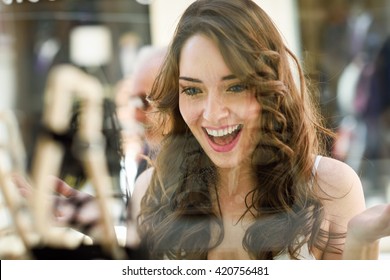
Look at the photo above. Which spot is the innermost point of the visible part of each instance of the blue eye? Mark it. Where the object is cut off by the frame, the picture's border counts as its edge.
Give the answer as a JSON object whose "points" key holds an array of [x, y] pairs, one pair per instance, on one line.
{"points": [[191, 91], [238, 88]]}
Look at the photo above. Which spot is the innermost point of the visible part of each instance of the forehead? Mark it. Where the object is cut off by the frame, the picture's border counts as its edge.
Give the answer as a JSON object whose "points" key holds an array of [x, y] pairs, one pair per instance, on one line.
{"points": [[142, 80], [200, 56]]}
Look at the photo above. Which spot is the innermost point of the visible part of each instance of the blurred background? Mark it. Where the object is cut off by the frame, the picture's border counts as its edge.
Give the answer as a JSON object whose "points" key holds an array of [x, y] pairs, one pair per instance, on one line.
{"points": [[344, 47]]}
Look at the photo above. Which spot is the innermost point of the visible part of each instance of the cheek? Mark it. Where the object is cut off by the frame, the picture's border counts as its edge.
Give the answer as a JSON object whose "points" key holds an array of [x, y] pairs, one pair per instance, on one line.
{"points": [[255, 111], [189, 111], [250, 110]]}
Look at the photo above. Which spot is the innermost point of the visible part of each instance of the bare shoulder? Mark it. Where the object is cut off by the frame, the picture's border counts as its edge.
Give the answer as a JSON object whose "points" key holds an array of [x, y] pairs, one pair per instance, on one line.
{"points": [[140, 187], [337, 178], [342, 188], [341, 191], [143, 180]]}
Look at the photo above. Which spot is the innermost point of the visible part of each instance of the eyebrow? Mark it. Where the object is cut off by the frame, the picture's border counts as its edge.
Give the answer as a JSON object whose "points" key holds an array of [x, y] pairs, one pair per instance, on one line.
{"points": [[225, 78]]}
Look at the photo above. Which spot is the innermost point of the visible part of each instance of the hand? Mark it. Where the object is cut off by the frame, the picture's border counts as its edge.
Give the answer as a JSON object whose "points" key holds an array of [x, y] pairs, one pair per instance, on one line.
{"points": [[70, 207], [73, 207], [371, 225]]}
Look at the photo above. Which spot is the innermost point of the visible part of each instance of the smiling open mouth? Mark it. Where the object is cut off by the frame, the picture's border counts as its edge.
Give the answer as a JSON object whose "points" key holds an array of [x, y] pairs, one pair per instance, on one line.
{"points": [[223, 137]]}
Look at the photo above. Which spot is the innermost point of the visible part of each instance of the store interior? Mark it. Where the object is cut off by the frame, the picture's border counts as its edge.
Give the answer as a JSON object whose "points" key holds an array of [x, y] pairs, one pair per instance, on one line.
{"points": [[340, 43]]}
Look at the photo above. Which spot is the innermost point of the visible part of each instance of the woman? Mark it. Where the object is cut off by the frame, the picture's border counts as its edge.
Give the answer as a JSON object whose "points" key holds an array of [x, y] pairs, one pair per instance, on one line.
{"points": [[240, 175]]}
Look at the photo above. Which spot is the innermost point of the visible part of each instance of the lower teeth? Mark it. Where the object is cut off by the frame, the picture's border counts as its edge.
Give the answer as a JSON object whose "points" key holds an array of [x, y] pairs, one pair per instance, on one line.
{"points": [[224, 140]]}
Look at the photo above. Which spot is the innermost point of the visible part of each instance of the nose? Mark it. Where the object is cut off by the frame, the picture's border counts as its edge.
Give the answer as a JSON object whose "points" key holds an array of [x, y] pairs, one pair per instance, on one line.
{"points": [[215, 108]]}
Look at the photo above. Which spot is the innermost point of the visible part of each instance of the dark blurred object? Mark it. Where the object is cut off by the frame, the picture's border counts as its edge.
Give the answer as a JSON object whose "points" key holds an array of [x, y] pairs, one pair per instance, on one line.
{"points": [[85, 252], [377, 110], [72, 170]]}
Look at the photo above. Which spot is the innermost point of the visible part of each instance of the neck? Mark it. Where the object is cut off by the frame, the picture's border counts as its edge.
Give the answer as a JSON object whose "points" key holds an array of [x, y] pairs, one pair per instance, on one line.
{"points": [[235, 181]]}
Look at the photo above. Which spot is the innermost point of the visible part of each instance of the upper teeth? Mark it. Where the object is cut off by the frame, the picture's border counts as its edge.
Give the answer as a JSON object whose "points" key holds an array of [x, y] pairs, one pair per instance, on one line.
{"points": [[222, 132]]}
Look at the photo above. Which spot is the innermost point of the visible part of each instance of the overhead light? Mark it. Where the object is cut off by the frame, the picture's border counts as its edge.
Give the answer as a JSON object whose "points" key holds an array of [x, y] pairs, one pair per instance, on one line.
{"points": [[90, 45], [145, 2]]}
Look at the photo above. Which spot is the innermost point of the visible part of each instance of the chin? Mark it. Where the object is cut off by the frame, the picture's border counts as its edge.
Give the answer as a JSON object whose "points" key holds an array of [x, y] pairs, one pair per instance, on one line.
{"points": [[226, 162]]}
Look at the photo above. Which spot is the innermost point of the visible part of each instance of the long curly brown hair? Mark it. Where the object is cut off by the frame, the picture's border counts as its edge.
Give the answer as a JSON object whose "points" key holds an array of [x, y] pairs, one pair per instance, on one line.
{"points": [[178, 209]]}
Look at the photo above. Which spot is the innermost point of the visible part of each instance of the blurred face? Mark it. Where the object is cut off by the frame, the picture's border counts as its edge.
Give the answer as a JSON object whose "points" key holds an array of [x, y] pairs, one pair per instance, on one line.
{"points": [[137, 116], [141, 86], [220, 110]]}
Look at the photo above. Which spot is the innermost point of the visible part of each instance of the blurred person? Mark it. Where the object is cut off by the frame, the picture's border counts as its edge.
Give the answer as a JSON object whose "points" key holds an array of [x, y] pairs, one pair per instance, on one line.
{"points": [[136, 114], [375, 116]]}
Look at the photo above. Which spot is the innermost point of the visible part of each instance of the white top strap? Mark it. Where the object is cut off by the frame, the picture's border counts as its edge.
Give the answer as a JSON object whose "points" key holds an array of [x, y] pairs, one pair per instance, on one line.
{"points": [[316, 163], [314, 170]]}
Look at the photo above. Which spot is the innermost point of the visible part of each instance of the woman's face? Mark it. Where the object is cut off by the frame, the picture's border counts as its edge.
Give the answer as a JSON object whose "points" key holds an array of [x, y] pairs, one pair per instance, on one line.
{"points": [[220, 110]]}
